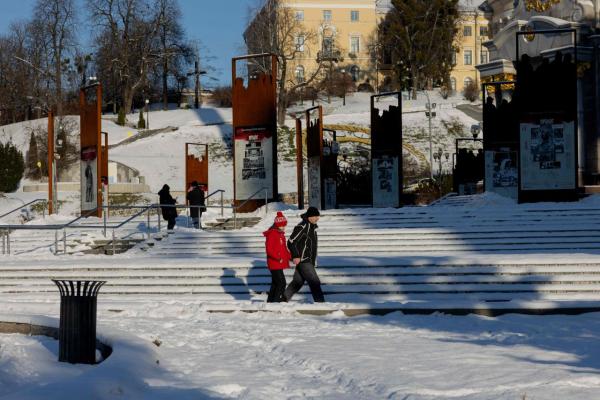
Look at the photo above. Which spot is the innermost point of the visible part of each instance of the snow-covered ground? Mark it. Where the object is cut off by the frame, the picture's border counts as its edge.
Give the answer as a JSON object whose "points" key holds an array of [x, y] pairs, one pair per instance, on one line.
{"points": [[290, 356]]}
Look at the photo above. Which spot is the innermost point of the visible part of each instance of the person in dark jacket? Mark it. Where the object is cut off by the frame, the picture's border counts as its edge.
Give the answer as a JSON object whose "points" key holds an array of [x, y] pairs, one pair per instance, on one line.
{"points": [[303, 247], [278, 257], [169, 213], [195, 197]]}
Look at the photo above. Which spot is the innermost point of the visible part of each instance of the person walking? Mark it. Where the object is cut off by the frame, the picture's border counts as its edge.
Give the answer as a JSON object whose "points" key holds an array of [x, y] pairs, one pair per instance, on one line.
{"points": [[169, 213], [195, 198], [303, 247], [278, 257]]}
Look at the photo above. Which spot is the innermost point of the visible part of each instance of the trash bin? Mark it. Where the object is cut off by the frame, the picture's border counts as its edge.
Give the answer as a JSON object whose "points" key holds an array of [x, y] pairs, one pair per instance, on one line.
{"points": [[77, 330]]}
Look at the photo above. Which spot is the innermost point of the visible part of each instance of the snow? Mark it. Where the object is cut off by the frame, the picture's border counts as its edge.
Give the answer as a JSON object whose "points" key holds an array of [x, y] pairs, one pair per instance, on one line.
{"points": [[288, 355]]}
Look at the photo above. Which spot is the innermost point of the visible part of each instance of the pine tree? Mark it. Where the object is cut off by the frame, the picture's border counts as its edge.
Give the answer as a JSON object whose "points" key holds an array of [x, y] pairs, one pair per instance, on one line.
{"points": [[32, 158], [419, 36], [12, 167]]}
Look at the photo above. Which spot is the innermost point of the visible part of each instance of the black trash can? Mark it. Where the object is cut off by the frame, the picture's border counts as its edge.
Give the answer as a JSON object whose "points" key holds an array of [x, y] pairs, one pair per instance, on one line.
{"points": [[77, 331]]}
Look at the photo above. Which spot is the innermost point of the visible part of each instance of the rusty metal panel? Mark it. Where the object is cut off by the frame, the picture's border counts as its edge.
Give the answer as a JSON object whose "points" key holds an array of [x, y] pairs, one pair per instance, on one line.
{"points": [[386, 152], [196, 165], [254, 129], [90, 115]]}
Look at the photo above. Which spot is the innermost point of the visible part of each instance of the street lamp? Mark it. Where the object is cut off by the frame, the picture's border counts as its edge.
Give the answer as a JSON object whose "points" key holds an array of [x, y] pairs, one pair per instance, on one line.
{"points": [[147, 115], [343, 71]]}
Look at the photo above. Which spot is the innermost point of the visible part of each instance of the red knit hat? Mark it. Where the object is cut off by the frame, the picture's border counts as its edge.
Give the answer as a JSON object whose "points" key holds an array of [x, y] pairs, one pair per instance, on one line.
{"points": [[280, 220]]}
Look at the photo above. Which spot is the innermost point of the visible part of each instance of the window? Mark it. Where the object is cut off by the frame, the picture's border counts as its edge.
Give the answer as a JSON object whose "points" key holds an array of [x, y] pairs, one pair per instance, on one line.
{"points": [[300, 42], [355, 45], [355, 73], [326, 15], [453, 84], [483, 31], [468, 57], [300, 74], [299, 15], [468, 31], [484, 57], [454, 58], [354, 16], [468, 82]]}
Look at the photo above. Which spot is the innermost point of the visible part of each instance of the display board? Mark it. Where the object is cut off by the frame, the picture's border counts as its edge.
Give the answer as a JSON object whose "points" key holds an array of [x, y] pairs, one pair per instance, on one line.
{"points": [[386, 151], [90, 113], [255, 131], [314, 154], [253, 148], [386, 186], [314, 182], [548, 155], [502, 173]]}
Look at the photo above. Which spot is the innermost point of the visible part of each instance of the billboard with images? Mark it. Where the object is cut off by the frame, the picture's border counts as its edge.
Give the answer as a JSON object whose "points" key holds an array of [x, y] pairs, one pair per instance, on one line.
{"points": [[254, 169], [89, 176], [548, 155], [386, 187]]}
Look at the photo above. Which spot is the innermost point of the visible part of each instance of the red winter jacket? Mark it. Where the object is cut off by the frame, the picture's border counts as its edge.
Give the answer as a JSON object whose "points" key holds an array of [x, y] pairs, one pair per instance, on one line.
{"points": [[278, 255]]}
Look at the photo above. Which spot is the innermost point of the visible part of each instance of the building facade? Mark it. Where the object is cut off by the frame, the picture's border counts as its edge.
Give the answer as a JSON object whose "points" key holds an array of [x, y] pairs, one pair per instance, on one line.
{"points": [[344, 31], [472, 33]]}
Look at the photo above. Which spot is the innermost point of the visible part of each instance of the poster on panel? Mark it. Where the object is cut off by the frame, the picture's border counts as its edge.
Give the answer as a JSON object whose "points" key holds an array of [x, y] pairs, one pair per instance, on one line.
{"points": [[385, 182], [253, 161], [314, 181], [548, 155], [502, 173], [330, 187], [89, 174]]}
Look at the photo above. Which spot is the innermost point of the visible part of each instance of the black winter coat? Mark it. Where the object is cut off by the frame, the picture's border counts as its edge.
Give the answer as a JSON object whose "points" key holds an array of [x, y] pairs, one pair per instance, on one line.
{"points": [[196, 198], [303, 242], [166, 198]]}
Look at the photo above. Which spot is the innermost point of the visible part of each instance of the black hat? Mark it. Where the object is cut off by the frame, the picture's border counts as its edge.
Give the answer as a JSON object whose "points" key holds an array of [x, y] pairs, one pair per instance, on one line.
{"points": [[311, 212], [195, 184]]}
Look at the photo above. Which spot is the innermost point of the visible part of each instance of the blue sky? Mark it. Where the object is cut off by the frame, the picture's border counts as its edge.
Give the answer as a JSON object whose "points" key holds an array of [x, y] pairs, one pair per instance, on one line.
{"points": [[218, 24]]}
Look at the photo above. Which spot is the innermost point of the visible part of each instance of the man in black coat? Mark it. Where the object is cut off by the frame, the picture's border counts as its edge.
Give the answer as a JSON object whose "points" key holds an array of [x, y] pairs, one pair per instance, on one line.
{"points": [[168, 213], [303, 246], [195, 198]]}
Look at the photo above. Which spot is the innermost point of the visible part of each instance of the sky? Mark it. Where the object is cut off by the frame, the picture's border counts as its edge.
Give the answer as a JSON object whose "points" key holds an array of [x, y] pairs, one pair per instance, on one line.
{"points": [[218, 24]]}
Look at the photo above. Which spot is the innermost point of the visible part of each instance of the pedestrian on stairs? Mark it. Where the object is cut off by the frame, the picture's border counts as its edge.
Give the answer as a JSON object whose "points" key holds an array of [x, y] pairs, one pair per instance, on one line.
{"points": [[195, 198], [303, 246], [169, 213], [278, 257]]}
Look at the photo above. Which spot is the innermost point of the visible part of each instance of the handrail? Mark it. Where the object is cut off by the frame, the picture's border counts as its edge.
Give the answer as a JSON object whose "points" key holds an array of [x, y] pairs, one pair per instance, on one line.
{"points": [[235, 208], [23, 206]]}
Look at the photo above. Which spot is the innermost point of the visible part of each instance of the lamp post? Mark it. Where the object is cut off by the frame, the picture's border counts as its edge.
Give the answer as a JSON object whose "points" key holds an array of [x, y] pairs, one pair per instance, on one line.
{"points": [[430, 114], [343, 71], [147, 115]]}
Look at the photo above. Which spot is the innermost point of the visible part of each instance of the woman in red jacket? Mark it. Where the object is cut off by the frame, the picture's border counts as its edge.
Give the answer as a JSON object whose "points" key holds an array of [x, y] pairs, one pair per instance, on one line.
{"points": [[278, 257]]}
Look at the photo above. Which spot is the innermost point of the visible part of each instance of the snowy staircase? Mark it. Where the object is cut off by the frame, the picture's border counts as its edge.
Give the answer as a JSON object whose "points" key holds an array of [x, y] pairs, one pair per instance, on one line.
{"points": [[457, 252]]}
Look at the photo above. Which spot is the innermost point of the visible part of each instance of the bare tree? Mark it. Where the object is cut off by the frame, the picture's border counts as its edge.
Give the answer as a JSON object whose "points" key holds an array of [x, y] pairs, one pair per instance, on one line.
{"points": [[275, 29], [127, 43], [56, 18]]}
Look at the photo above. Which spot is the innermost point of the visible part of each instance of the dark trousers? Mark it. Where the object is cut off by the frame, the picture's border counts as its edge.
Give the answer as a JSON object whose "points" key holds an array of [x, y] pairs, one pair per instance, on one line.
{"points": [[277, 286], [171, 223], [305, 272]]}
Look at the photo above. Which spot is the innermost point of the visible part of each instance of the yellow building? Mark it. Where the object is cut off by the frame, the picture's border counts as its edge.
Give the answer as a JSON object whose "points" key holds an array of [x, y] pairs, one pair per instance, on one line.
{"points": [[343, 31], [472, 33]]}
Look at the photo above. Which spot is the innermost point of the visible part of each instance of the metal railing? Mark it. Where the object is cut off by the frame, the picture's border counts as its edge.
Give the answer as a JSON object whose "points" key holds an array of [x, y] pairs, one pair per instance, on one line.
{"points": [[251, 197], [105, 226], [27, 205]]}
